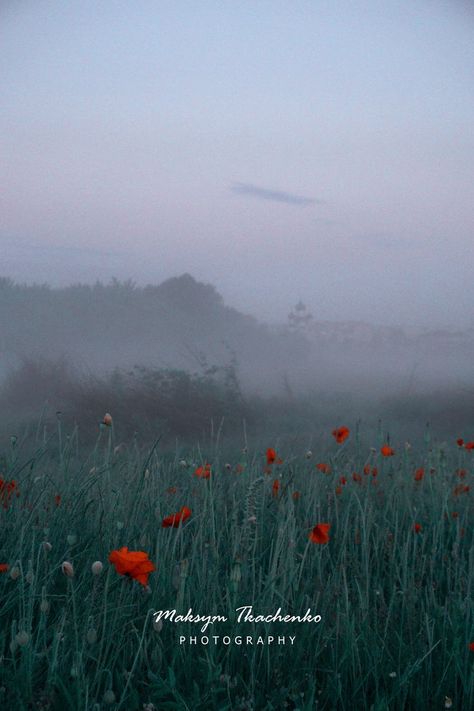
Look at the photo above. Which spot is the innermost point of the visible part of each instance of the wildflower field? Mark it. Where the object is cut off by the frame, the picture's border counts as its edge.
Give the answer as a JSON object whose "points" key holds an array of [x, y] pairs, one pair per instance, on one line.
{"points": [[369, 533]]}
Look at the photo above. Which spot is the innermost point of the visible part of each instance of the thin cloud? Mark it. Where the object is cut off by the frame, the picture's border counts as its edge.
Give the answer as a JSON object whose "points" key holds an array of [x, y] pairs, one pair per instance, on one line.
{"points": [[21, 246], [273, 195]]}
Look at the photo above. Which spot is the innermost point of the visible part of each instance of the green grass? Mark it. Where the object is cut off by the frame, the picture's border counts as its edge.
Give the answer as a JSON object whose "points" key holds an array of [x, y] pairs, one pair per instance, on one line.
{"points": [[396, 606]]}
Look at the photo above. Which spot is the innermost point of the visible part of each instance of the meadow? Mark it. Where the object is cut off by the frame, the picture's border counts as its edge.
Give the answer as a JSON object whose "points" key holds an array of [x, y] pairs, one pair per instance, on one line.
{"points": [[371, 533]]}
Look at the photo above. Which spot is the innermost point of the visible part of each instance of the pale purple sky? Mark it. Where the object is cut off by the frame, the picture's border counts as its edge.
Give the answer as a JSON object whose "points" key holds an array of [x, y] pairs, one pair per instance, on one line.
{"points": [[321, 150]]}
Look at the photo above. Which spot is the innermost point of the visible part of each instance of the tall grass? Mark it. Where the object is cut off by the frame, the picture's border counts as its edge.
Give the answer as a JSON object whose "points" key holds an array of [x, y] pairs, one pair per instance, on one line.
{"points": [[396, 606]]}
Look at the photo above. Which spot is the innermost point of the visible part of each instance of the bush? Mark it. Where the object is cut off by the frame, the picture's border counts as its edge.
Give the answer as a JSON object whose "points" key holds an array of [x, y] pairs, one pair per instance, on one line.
{"points": [[147, 400]]}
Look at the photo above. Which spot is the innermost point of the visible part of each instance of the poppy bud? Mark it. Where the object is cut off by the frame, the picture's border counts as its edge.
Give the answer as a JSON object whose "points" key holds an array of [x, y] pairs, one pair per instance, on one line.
{"points": [[109, 697], [15, 573], [157, 624], [97, 567], [67, 569], [22, 638], [236, 574], [107, 421]]}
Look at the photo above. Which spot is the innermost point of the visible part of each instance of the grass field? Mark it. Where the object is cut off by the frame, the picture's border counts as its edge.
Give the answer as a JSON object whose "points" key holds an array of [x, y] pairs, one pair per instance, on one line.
{"points": [[393, 584]]}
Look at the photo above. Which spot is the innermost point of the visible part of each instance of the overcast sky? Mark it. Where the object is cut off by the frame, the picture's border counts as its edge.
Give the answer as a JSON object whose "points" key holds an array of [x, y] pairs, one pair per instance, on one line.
{"points": [[321, 150]]}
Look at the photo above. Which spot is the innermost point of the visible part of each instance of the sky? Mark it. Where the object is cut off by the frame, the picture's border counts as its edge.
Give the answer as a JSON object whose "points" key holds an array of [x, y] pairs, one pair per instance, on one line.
{"points": [[313, 150]]}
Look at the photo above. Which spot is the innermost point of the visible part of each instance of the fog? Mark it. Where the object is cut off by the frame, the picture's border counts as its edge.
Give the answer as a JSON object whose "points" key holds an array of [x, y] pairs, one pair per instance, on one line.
{"points": [[213, 165], [177, 345]]}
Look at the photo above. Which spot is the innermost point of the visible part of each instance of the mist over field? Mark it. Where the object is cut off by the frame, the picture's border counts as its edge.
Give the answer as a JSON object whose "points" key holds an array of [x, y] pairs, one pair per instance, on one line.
{"points": [[141, 351]]}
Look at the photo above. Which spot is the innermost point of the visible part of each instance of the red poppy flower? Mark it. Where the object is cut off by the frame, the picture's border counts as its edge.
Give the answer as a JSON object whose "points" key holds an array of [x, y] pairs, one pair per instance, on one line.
{"points": [[417, 527], [461, 489], [375, 471], [276, 487], [203, 472], [324, 468], [461, 473], [4, 567], [419, 474], [460, 442], [296, 495], [455, 514], [320, 533], [387, 451], [175, 519], [471, 646], [134, 564], [272, 457], [341, 434], [356, 477], [7, 489], [338, 490], [343, 480], [367, 469], [469, 445], [57, 499]]}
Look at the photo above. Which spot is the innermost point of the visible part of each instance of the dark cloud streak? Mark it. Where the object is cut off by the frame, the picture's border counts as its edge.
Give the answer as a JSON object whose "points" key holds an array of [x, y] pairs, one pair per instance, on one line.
{"points": [[273, 195]]}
